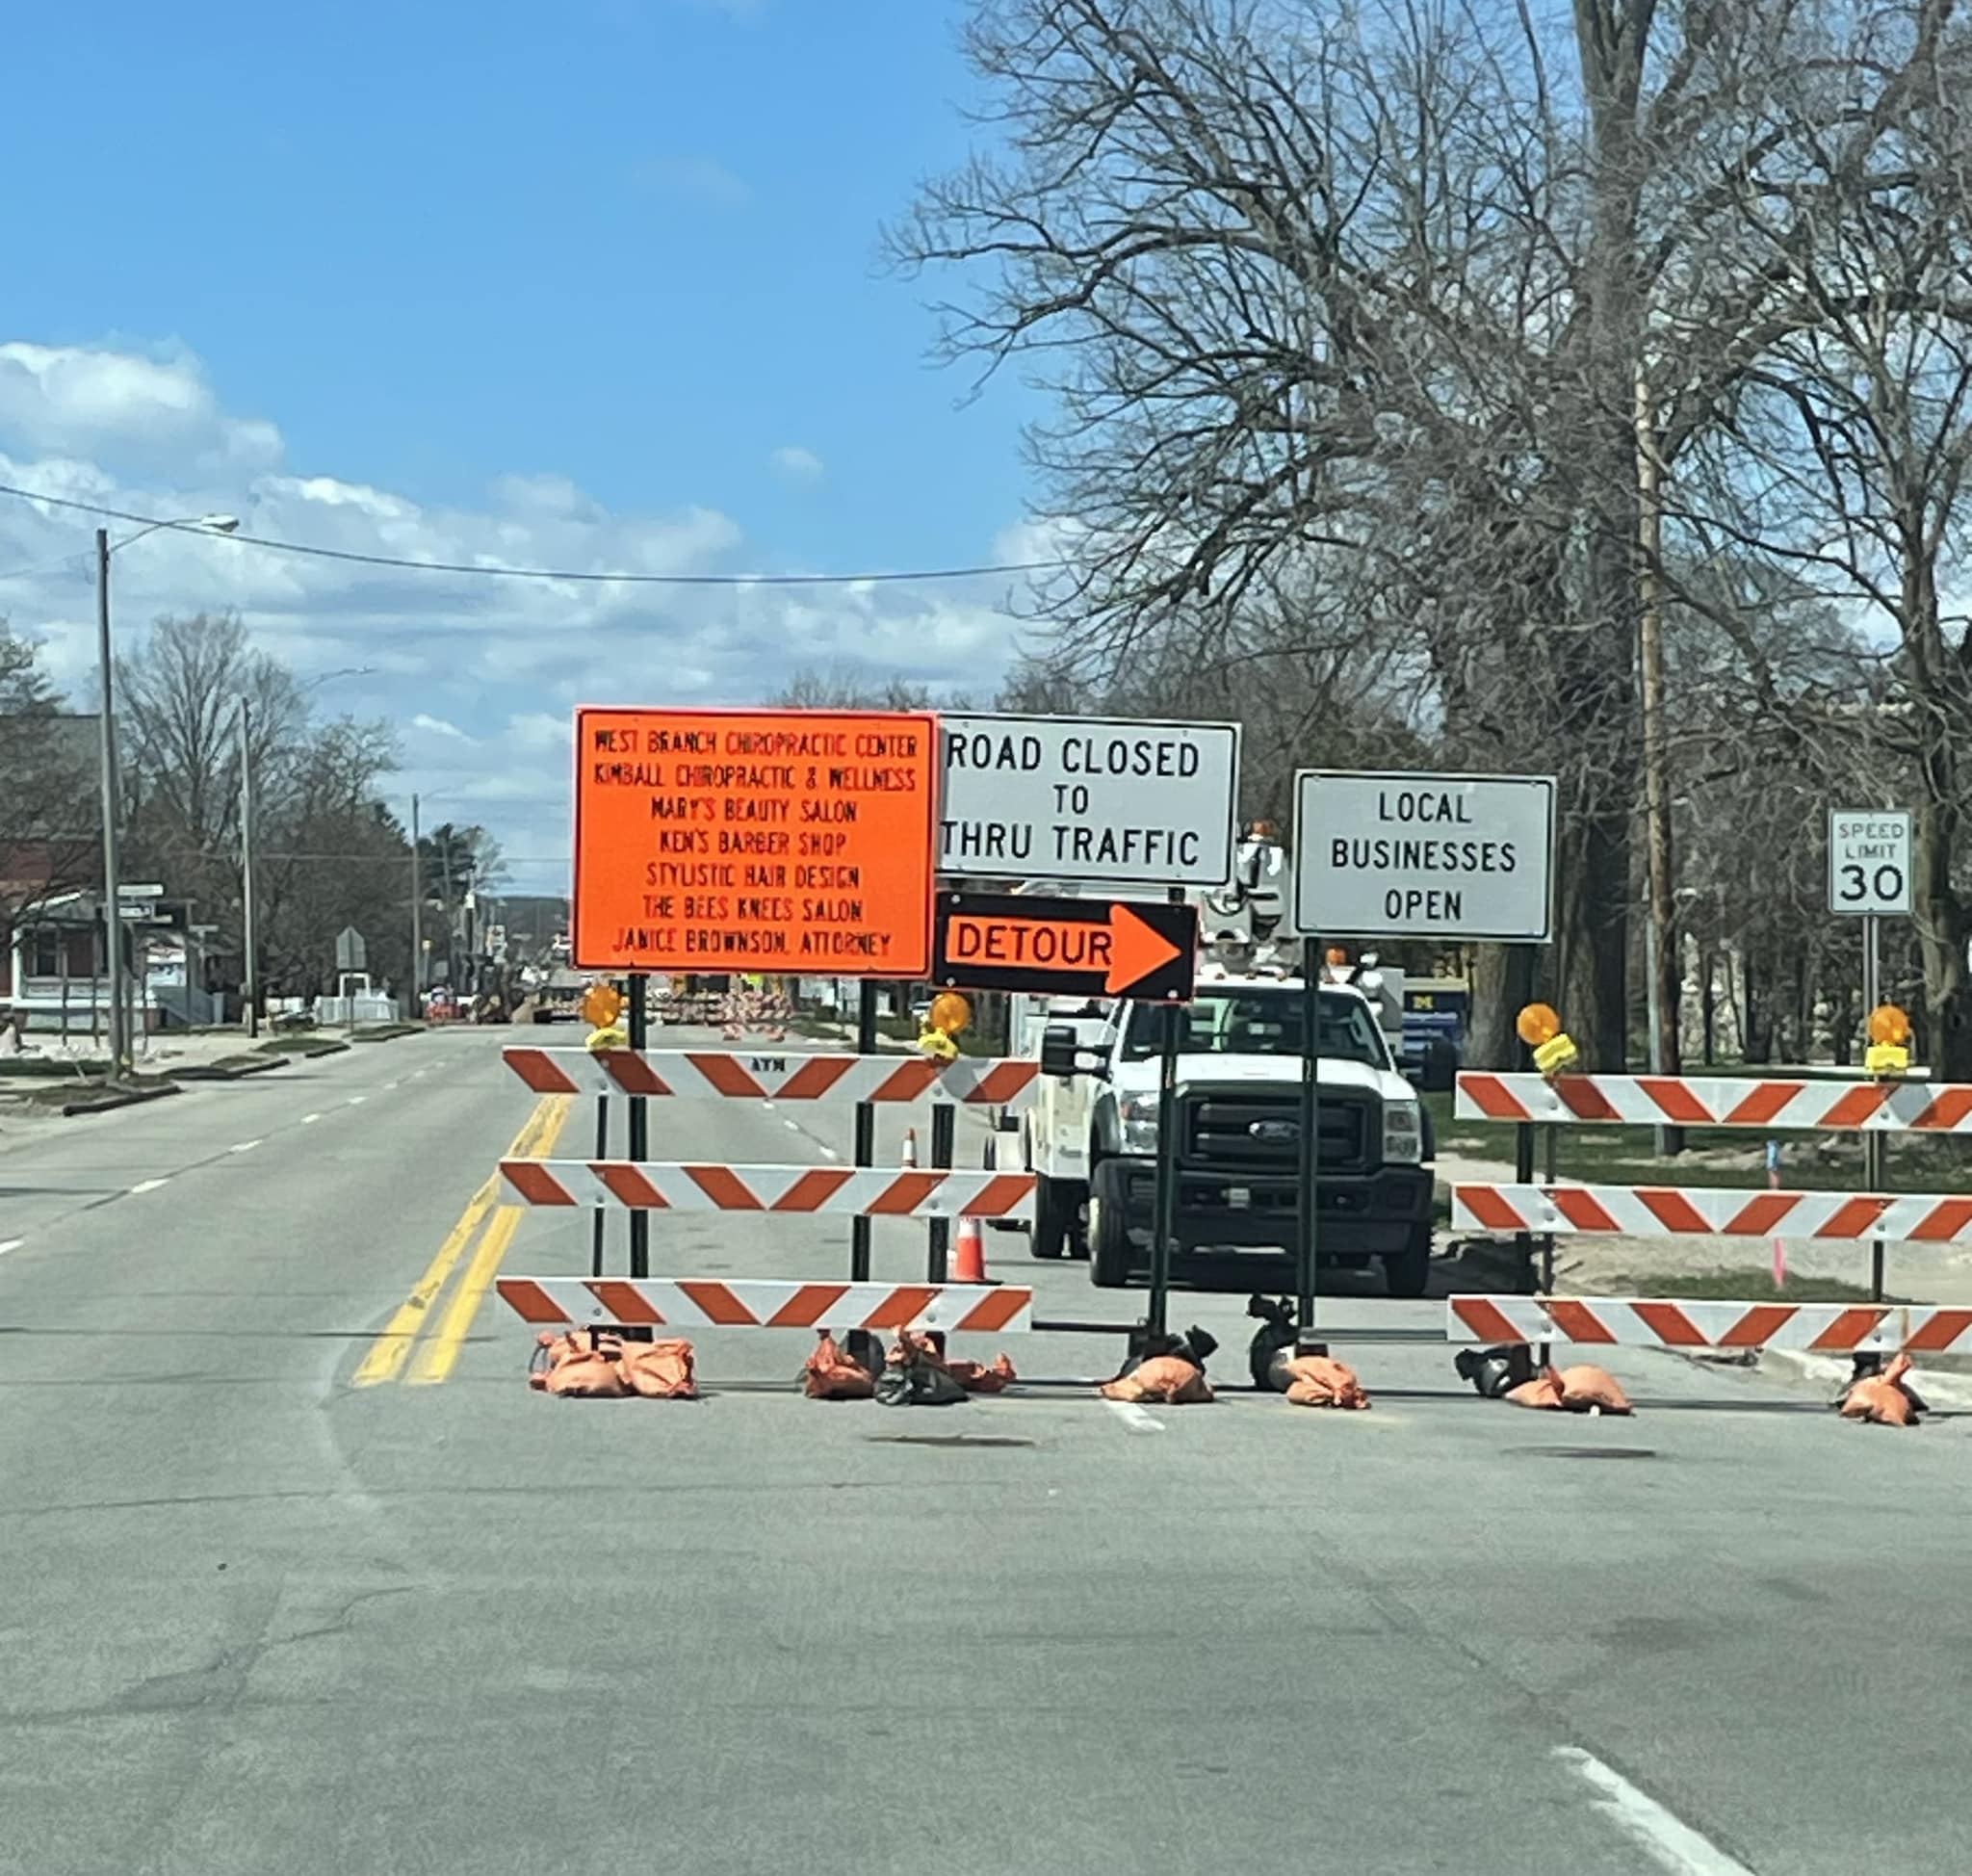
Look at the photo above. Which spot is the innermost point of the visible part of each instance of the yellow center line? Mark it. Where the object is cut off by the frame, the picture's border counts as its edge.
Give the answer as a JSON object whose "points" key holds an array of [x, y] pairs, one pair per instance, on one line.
{"points": [[440, 1352], [388, 1352]]}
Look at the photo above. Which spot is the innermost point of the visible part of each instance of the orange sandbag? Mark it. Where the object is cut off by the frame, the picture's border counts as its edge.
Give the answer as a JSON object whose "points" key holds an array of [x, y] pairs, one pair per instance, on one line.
{"points": [[1584, 1387], [1881, 1398], [580, 1365], [1543, 1391], [829, 1374], [1320, 1381], [1164, 1377], [976, 1378], [659, 1371]]}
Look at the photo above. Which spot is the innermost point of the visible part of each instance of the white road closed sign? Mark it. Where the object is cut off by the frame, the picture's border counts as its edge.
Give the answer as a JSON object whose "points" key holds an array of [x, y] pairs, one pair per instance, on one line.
{"points": [[1869, 863], [1057, 797], [1423, 856]]}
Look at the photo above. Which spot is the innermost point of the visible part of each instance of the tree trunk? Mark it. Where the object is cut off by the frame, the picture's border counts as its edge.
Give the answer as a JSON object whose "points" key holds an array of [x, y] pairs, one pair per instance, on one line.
{"points": [[1593, 911], [1759, 1011], [1941, 932], [1708, 1006], [1502, 986]]}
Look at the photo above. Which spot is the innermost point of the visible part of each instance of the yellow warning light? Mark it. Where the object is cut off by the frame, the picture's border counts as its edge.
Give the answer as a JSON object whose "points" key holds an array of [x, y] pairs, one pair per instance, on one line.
{"points": [[1540, 1029], [1888, 1024], [602, 1004], [1889, 1041], [1536, 1024], [950, 1013], [610, 1036]]}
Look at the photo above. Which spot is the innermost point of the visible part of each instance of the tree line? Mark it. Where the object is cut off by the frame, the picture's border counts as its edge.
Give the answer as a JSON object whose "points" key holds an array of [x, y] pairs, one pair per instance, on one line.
{"points": [[1577, 388], [331, 850]]}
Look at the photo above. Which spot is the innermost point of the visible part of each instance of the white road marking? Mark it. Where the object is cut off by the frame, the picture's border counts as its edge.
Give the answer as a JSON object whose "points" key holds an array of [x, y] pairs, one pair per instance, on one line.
{"points": [[792, 1127], [1133, 1417], [831, 1153], [1667, 1840], [356, 1100], [243, 1146], [10, 1244], [309, 1120], [145, 1186], [766, 1103], [388, 1085]]}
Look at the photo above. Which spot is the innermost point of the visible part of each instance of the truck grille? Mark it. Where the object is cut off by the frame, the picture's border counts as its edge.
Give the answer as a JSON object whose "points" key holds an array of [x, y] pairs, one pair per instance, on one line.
{"points": [[1219, 1130]]}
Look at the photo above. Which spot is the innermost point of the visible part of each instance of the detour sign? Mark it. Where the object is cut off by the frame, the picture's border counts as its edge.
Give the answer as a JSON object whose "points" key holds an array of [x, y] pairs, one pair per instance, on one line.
{"points": [[755, 841]]}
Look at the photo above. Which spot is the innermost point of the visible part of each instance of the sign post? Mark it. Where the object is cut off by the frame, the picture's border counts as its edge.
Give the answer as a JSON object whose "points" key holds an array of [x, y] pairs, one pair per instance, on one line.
{"points": [[795, 842], [1091, 948], [1869, 877], [1394, 856], [1090, 800]]}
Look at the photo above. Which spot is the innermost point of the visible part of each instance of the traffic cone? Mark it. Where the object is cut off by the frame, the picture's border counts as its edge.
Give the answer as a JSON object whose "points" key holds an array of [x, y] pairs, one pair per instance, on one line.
{"points": [[910, 1160], [968, 1253]]}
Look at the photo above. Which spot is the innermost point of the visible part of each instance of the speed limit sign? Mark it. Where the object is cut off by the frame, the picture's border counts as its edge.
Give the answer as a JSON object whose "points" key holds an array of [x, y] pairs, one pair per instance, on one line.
{"points": [[1869, 863]]}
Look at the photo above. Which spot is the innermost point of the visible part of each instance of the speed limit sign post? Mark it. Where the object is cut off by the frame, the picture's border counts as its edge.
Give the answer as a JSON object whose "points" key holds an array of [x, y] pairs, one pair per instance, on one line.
{"points": [[1869, 863], [1869, 879]]}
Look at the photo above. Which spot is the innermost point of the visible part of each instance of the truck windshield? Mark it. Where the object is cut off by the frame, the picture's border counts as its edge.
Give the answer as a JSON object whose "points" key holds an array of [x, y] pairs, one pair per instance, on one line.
{"points": [[1257, 1022]]}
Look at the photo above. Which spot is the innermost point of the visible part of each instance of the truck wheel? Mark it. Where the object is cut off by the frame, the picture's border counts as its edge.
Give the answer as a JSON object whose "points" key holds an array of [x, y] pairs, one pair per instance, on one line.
{"points": [[1406, 1272], [1109, 1249], [1055, 1206]]}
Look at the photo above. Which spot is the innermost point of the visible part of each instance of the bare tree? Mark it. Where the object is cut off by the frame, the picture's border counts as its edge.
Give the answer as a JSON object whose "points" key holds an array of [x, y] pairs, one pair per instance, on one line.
{"points": [[1846, 454], [48, 814], [325, 847]]}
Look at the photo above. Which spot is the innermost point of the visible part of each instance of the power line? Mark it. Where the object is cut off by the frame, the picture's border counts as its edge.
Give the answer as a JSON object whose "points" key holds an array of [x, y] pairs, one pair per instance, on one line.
{"points": [[474, 569]]}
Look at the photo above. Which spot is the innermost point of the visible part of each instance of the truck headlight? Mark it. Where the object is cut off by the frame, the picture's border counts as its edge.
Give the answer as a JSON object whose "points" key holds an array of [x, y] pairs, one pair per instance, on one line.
{"points": [[1138, 1113], [1403, 1134]]}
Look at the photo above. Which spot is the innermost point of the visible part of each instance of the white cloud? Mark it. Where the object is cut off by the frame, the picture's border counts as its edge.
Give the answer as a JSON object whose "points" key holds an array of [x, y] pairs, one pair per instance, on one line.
{"points": [[694, 178], [796, 464], [71, 398], [481, 675], [438, 726]]}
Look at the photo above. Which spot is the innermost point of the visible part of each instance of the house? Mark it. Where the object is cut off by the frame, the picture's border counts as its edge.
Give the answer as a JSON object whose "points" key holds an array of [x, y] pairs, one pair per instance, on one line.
{"points": [[53, 961], [54, 976]]}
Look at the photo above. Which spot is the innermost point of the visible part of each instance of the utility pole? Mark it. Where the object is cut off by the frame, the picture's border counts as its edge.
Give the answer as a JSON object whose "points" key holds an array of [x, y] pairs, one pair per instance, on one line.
{"points": [[417, 921], [250, 936], [113, 909], [1664, 980], [445, 902]]}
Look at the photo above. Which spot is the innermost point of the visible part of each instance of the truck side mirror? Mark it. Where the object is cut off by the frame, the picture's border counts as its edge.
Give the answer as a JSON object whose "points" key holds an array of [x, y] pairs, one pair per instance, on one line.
{"points": [[1058, 1050], [1437, 1067]]}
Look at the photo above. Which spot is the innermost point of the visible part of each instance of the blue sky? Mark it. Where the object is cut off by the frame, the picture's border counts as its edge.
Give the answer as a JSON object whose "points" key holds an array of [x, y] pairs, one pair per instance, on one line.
{"points": [[593, 284]]}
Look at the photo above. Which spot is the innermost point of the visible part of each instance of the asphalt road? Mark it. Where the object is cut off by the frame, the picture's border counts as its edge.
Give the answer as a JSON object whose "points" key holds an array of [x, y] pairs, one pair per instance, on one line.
{"points": [[297, 1575]]}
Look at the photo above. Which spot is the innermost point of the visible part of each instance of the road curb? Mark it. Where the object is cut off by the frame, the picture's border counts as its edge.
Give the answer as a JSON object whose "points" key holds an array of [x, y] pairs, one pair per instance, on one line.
{"points": [[1834, 1374], [221, 1072], [106, 1100]]}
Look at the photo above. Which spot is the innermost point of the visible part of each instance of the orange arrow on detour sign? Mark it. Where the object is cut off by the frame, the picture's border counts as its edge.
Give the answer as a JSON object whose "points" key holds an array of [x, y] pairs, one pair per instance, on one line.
{"points": [[1068, 947]]}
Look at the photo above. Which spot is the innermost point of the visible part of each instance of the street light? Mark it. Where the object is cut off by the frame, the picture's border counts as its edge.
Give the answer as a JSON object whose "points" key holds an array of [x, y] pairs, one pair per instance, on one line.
{"points": [[113, 921]]}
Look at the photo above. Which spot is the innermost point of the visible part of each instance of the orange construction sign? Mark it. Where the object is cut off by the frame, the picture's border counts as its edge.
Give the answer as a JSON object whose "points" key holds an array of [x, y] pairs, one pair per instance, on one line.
{"points": [[1095, 948], [735, 841]]}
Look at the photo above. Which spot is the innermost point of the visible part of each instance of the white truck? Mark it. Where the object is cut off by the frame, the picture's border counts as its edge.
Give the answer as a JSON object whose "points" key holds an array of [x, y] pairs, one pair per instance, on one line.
{"points": [[1091, 1136]]}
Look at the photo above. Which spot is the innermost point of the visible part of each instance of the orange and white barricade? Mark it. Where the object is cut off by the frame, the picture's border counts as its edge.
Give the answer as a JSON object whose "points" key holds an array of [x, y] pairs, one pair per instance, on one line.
{"points": [[1712, 1211], [716, 1075], [706, 1303], [643, 1186], [1771, 1104], [849, 1191], [1782, 1104], [1647, 1322]]}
